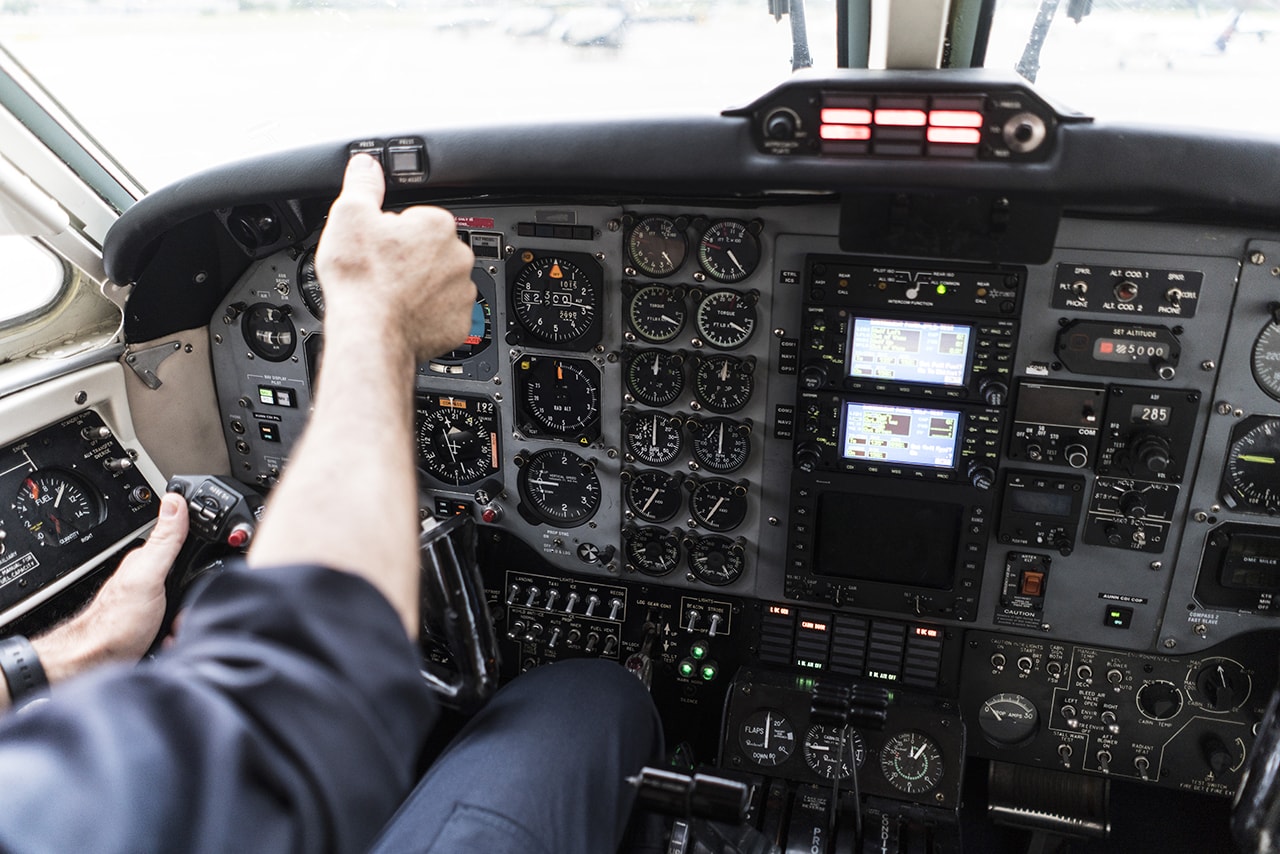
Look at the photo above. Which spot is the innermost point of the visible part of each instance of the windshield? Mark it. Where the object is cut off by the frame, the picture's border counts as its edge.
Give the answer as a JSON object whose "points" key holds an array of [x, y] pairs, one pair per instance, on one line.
{"points": [[174, 86]]}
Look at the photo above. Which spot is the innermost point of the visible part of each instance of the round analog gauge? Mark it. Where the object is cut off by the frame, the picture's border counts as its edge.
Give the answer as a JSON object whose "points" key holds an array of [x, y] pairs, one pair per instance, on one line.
{"points": [[911, 762], [720, 444], [652, 551], [57, 507], [657, 313], [559, 487], [309, 284], [560, 397], [458, 438], [723, 383], [715, 560], [726, 319], [555, 300], [652, 495], [269, 331], [718, 504], [833, 752], [657, 246], [728, 251], [1219, 685], [1266, 359], [1008, 719], [480, 333], [767, 738], [1251, 480], [653, 438], [655, 377]]}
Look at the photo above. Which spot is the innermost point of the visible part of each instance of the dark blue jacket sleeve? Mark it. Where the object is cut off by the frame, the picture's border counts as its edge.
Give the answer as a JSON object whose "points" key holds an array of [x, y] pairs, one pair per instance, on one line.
{"points": [[288, 717]]}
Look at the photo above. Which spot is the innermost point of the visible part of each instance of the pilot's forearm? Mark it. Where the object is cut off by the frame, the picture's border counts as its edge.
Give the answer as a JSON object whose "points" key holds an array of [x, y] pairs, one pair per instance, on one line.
{"points": [[349, 509]]}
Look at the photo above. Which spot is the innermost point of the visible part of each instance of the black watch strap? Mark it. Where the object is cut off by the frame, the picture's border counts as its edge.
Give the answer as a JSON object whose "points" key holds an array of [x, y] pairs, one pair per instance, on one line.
{"points": [[21, 668]]}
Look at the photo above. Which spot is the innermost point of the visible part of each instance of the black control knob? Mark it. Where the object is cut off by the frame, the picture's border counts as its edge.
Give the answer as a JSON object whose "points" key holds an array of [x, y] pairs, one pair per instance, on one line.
{"points": [[1159, 700], [1077, 456], [1222, 685], [1216, 754], [1152, 452], [813, 376], [1133, 505], [981, 476], [780, 125], [1113, 534], [808, 456], [993, 392]]}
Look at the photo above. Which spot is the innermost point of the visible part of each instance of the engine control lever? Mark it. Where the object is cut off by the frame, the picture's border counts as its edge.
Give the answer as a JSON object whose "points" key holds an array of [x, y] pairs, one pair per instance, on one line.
{"points": [[713, 811], [223, 517], [454, 610]]}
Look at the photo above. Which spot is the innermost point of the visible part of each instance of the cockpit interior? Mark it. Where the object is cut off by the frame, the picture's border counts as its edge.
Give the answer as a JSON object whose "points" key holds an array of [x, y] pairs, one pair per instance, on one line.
{"points": [[912, 436]]}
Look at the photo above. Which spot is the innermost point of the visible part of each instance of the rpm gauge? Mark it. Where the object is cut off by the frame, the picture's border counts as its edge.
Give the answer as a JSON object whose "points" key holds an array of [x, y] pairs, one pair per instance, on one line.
{"points": [[720, 444], [657, 245], [556, 300], [653, 438], [458, 438], [57, 507], [1251, 481], [558, 487]]}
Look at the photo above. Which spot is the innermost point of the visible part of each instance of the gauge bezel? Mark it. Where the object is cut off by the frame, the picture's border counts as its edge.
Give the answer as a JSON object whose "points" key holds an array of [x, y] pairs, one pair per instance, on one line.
{"points": [[696, 548], [673, 430], [638, 481], [269, 352], [677, 239], [819, 764], [632, 536], [665, 385], [533, 503], [471, 408], [749, 232], [641, 321], [701, 429], [25, 510], [535, 418], [741, 387], [583, 331], [714, 325]]}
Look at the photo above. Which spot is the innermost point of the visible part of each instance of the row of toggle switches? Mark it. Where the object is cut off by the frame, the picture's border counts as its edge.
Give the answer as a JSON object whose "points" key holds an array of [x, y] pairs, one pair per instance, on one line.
{"points": [[528, 597]]}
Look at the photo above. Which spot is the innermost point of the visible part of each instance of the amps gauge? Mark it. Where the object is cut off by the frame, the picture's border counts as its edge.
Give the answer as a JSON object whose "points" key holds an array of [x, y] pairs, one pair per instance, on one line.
{"points": [[1042, 511], [1129, 350]]}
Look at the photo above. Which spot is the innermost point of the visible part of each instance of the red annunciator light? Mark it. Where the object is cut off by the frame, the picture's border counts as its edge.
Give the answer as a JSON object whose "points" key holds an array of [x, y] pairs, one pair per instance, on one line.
{"points": [[955, 136], [955, 118], [845, 116], [845, 132]]}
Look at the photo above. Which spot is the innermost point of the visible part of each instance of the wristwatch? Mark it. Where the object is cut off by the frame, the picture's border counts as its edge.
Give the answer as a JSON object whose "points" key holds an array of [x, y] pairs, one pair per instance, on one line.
{"points": [[21, 668]]}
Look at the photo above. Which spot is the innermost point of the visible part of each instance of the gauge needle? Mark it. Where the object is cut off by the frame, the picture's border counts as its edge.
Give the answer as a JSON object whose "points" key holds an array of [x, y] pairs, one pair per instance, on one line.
{"points": [[720, 443], [655, 433], [551, 483], [453, 450], [652, 496], [820, 747], [734, 259], [768, 725], [1254, 458], [57, 498], [667, 258], [724, 371], [656, 360], [738, 328], [670, 320], [994, 713], [716, 507], [915, 754]]}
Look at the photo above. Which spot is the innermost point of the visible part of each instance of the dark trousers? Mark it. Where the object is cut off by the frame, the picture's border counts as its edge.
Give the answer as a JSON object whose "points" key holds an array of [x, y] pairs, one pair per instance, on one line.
{"points": [[539, 770]]}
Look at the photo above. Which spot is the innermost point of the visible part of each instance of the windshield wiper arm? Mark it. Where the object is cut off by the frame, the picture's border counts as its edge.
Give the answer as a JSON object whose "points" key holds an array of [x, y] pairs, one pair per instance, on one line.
{"points": [[800, 57]]}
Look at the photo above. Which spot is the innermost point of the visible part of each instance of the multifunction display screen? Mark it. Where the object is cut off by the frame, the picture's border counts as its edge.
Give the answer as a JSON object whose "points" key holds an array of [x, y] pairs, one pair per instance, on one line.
{"points": [[909, 351], [900, 435]]}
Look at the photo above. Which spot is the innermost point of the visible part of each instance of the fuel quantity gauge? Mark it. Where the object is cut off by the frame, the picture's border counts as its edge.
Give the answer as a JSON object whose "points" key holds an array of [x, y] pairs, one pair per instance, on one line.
{"points": [[57, 507]]}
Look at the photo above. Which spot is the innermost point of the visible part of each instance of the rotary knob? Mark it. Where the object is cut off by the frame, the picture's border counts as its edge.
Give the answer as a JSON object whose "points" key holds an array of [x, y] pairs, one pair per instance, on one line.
{"points": [[813, 376], [808, 456], [1153, 452], [993, 392]]}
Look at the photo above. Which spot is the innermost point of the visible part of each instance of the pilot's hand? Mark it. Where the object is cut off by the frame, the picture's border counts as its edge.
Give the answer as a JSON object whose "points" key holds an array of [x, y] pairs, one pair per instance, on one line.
{"points": [[123, 619], [404, 274]]}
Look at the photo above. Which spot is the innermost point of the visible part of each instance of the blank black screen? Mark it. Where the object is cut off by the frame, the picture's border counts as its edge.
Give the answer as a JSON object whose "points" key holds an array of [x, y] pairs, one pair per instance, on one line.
{"points": [[890, 540]]}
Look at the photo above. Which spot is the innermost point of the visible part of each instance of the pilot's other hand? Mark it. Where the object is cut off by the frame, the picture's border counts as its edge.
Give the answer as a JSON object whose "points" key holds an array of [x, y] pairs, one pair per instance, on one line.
{"points": [[123, 619], [405, 274]]}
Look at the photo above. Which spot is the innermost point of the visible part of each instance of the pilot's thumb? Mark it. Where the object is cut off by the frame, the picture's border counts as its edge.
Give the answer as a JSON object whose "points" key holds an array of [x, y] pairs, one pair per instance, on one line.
{"points": [[171, 527]]}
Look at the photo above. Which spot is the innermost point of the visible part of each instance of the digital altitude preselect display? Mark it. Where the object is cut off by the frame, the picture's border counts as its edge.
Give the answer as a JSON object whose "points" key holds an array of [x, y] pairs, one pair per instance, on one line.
{"points": [[909, 351], [900, 435]]}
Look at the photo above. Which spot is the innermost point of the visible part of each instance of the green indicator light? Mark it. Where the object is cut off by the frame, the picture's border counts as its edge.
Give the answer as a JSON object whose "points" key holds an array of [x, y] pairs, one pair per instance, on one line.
{"points": [[709, 672], [699, 651], [687, 668], [942, 289]]}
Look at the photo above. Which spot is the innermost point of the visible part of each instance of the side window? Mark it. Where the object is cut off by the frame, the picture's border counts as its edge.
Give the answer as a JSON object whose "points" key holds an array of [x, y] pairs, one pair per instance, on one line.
{"points": [[31, 279]]}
